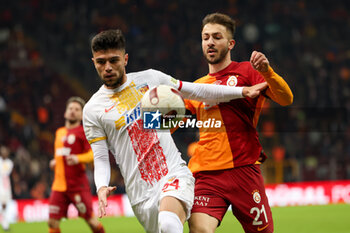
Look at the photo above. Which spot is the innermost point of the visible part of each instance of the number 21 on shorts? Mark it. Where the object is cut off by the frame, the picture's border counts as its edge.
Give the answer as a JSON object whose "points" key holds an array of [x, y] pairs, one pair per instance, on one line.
{"points": [[171, 185], [258, 212]]}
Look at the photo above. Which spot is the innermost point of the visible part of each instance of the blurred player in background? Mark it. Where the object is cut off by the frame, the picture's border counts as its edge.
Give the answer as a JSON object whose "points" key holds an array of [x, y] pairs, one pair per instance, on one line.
{"points": [[70, 184], [158, 182], [226, 163], [6, 166]]}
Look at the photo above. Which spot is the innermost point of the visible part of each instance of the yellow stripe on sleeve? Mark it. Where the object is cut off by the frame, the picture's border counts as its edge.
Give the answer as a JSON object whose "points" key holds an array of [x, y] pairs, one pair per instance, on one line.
{"points": [[97, 139]]}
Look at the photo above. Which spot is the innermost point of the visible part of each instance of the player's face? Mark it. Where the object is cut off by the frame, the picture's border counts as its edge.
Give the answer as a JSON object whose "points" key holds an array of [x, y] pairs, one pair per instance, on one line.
{"points": [[216, 43], [110, 66], [73, 113]]}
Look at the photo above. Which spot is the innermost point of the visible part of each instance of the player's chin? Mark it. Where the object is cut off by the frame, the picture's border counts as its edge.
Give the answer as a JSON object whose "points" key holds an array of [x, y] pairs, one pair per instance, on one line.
{"points": [[212, 60]]}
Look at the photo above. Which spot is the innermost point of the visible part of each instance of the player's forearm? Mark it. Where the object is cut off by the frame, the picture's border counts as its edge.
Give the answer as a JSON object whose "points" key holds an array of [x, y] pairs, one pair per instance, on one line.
{"points": [[209, 92], [279, 90], [87, 157], [102, 169]]}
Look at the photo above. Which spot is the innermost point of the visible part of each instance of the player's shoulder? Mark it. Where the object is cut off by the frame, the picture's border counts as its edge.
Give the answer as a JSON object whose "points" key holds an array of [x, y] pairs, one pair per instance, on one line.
{"points": [[79, 130], [243, 65], [144, 73], [61, 130], [204, 79], [95, 99]]}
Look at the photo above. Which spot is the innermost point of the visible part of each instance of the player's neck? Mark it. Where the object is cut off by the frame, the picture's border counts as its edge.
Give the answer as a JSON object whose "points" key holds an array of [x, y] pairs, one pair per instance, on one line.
{"points": [[69, 125], [214, 68]]}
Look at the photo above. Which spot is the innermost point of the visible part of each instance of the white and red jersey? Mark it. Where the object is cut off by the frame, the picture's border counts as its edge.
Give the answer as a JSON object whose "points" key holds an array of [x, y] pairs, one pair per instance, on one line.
{"points": [[6, 166], [145, 156]]}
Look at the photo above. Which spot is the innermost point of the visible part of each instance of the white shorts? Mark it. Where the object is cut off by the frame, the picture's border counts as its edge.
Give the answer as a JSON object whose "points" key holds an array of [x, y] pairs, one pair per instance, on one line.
{"points": [[5, 196], [179, 184]]}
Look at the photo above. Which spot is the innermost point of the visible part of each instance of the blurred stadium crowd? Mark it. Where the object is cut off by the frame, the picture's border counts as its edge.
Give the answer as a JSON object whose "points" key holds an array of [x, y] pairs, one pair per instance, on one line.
{"points": [[45, 59]]}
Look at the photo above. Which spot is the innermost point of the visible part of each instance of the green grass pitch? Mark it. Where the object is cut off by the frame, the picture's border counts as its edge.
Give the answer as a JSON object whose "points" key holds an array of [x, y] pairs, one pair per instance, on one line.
{"points": [[300, 219]]}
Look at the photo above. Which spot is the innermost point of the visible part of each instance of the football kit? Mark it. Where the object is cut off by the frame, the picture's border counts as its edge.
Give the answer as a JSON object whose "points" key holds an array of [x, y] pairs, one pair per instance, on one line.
{"points": [[148, 159], [70, 183], [225, 160]]}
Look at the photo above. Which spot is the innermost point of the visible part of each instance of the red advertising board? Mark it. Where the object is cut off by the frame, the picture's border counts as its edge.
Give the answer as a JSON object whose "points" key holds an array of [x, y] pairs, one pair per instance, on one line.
{"points": [[288, 194], [38, 210]]}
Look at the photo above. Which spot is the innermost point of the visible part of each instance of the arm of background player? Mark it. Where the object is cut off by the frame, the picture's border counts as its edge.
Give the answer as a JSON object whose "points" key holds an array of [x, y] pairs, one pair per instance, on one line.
{"points": [[86, 157], [102, 168], [278, 90]]}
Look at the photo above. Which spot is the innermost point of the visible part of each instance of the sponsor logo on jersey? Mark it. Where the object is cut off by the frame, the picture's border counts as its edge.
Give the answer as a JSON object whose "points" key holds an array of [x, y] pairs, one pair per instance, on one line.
{"points": [[262, 228], [128, 118], [109, 109], [133, 115], [201, 200], [232, 81]]}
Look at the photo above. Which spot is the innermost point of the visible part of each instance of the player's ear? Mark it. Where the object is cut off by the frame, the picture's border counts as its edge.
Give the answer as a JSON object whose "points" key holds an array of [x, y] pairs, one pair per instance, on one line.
{"points": [[93, 61], [126, 57], [231, 44]]}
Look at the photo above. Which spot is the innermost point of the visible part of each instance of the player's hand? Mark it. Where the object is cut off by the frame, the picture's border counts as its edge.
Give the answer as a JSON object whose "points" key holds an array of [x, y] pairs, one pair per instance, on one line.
{"points": [[52, 164], [254, 91], [72, 160], [102, 194], [259, 61]]}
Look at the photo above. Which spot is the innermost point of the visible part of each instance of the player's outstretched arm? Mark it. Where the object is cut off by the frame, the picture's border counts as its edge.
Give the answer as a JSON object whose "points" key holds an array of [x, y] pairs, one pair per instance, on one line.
{"points": [[102, 194], [209, 92], [279, 90]]}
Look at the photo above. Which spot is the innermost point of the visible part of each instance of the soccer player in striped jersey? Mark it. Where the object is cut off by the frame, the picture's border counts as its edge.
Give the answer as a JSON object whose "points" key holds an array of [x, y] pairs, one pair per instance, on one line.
{"points": [[226, 162], [158, 183], [70, 184]]}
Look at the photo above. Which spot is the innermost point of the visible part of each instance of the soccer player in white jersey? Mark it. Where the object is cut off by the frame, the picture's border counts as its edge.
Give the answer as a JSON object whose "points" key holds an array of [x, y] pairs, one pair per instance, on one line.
{"points": [[158, 183], [6, 166]]}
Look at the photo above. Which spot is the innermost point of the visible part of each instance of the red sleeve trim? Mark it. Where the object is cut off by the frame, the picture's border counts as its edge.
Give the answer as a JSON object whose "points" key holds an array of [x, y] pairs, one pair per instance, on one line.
{"points": [[180, 85]]}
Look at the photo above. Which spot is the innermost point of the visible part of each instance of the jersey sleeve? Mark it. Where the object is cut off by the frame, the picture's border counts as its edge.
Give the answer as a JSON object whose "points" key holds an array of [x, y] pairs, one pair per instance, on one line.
{"points": [[278, 90], [165, 79], [92, 128], [86, 157], [102, 167]]}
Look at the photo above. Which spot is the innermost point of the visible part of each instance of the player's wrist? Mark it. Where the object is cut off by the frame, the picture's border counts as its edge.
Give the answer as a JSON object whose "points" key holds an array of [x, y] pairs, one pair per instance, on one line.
{"points": [[101, 188]]}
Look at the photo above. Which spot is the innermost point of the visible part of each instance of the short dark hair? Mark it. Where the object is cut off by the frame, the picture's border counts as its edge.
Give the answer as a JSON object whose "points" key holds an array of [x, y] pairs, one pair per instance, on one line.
{"points": [[222, 19], [76, 99], [109, 39]]}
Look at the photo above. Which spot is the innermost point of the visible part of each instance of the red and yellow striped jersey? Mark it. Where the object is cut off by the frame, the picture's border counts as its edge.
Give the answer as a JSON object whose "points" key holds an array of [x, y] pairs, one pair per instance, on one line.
{"points": [[71, 177], [236, 143]]}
